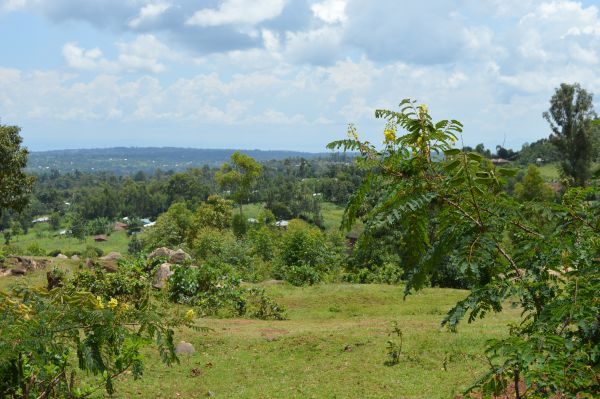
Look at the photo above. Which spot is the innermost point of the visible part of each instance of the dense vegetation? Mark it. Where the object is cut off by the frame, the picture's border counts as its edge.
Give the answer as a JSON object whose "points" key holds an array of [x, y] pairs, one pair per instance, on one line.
{"points": [[418, 212]]}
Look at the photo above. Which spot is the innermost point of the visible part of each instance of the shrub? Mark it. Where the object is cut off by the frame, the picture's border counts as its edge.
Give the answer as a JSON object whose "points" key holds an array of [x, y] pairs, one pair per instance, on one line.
{"points": [[92, 252], [259, 306], [239, 225], [35, 250], [54, 253], [47, 338], [305, 257]]}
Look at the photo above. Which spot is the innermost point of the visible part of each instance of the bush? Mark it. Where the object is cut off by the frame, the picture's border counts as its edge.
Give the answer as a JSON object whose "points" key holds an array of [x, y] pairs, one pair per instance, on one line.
{"points": [[47, 338], [259, 306], [54, 253], [35, 250], [305, 255], [239, 225], [92, 252], [128, 283], [134, 246]]}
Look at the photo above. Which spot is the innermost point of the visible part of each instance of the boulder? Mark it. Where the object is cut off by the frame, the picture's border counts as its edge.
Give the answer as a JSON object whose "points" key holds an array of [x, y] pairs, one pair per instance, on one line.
{"points": [[112, 256], [162, 275], [18, 271], [160, 252], [61, 256], [75, 257], [184, 348], [179, 256], [109, 265], [89, 263]]}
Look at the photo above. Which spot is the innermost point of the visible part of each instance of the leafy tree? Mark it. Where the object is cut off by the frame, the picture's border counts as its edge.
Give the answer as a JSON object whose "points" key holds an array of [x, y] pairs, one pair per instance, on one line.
{"points": [[239, 176], [54, 221], [570, 117], [98, 324], [15, 185], [78, 226], [542, 259], [171, 229], [533, 187]]}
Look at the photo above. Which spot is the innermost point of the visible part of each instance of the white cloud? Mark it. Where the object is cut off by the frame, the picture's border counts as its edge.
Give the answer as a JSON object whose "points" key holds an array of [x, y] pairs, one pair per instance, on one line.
{"points": [[142, 54], [79, 58], [149, 13], [330, 11], [12, 5], [237, 12]]}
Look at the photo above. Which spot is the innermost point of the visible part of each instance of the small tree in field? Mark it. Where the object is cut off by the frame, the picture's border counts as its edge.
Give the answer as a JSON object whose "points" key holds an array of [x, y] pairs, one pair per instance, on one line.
{"points": [[543, 258], [239, 176]]}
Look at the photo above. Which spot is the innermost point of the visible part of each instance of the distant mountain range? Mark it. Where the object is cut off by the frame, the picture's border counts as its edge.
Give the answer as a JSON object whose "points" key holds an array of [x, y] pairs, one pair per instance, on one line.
{"points": [[125, 160]]}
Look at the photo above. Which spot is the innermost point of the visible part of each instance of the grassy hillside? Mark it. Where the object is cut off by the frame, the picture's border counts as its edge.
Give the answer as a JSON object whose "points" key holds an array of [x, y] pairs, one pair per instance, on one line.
{"points": [[49, 241], [332, 346]]}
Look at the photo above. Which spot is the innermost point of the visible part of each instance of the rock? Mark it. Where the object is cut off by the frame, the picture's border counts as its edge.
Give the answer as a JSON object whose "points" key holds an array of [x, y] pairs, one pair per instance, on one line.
{"points": [[18, 271], [179, 256], [162, 275], [75, 257], [61, 256], [109, 265], [160, 252], [89, 263], [54, 280], [184, 348], [112, 256]]}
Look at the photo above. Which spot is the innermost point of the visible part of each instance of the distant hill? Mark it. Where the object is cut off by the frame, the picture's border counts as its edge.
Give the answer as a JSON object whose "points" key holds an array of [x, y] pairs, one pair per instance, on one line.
{"points": [[125, 160]]}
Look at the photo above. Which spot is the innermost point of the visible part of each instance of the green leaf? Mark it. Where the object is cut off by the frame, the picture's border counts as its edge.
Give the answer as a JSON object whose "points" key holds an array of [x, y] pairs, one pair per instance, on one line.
{"points": [[507, 172], [452, 152]]}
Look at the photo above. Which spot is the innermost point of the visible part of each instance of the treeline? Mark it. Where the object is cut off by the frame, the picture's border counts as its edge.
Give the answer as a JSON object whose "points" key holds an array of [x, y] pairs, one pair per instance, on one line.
{"points": [[290, 188]]}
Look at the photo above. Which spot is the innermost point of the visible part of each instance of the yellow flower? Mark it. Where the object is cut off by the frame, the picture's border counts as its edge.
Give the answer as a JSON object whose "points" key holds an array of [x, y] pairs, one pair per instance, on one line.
{"points": [[125, 306], [190, 314], [389, 135], [113, 303], [99, 304]]}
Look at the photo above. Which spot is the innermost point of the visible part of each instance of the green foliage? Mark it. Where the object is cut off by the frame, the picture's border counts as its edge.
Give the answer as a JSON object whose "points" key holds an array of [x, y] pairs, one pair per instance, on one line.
{"points": [[15, 185], [260, 306], [533, 187], [305, 256], [48, 337], [214, 213], [239, 225], [54, 221], [570, 117], [394, 346], [214, 290], [99, 226], [135, 246], [263, 241], [239, 176], [543, 259], [171, 228], [35, 250], [92, 252]]}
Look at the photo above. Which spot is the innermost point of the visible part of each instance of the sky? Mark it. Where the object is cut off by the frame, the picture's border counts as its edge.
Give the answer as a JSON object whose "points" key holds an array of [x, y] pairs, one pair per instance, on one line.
{"points": [[285, 74]]}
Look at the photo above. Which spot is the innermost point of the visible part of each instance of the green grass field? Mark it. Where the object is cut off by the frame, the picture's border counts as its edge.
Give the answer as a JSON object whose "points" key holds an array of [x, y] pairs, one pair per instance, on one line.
{"points": [[332, 213], [49, 241], [332, 346]]}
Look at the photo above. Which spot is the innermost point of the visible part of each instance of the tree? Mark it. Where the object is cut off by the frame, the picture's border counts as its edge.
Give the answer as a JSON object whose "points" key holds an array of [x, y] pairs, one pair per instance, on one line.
{"points": [[570, 117], [54, 221], [239, 176], [545, 260], [533, 187], [15, 185]]}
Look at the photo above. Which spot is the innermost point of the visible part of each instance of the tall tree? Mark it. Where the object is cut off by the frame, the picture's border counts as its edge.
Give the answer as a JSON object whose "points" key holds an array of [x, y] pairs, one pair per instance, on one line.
{"points": [[570, 117], [239, 176], [15, 185]]}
